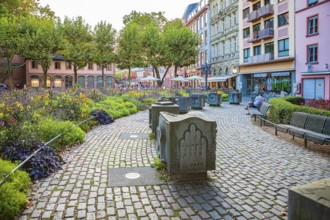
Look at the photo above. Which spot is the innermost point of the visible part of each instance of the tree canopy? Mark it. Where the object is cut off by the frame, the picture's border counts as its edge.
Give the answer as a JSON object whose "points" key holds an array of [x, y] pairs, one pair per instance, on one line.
{"points": [[77, 43]]}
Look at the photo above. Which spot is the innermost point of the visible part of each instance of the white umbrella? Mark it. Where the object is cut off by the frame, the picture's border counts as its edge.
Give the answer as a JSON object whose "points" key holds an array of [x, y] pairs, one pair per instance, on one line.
{"points": [[149, 78], [180, 79], [194, 77]]}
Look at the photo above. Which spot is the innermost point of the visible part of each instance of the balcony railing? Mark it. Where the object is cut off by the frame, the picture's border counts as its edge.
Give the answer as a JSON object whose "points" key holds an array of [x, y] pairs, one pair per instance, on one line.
{"points": [[261, 58], [261, 12], [262, 34]]}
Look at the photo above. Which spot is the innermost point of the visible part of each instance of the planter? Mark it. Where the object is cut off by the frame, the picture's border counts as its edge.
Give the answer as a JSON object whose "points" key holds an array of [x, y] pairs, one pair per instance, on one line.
{"points": [[183, 103], [234, 97], [214, 99], [197, 101]]}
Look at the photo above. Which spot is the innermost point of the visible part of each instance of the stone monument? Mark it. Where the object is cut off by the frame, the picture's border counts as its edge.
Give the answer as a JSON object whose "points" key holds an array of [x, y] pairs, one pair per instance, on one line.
{"points": [[187, 143], [310, 201], [162, 105]]}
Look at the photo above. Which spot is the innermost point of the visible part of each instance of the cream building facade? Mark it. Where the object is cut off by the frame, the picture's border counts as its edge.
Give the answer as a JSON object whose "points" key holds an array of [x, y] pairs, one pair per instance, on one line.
{"points": [[266, 33], [224, 42]]}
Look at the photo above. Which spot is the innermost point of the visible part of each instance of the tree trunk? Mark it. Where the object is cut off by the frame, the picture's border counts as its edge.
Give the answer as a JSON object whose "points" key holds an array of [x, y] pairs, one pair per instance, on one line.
{"points": [[103, 80], [165, 74], [159, 82], [75, 76], [45, 79], [175, 71], [10, 72]]}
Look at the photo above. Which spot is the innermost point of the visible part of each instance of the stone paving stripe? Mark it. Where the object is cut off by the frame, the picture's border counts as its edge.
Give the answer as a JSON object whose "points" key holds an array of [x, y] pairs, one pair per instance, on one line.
{"points": [[148, 176], [134, 136]]}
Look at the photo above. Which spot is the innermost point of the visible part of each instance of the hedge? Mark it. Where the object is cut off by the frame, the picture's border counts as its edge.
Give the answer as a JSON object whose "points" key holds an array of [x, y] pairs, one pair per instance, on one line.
{"points": [[13, 192], [282, 109]]}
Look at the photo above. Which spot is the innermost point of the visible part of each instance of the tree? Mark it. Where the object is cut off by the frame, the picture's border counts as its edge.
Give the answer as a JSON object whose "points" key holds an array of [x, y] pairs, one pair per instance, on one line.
{"points": [[77, 43], [9, 40], [104, 44], [151, 27], [129, 46], [41, 43], [180, 45]]}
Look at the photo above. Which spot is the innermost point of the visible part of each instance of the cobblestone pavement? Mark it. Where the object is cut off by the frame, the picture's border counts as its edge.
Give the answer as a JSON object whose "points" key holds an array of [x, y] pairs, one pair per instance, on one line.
{"points": [[254, 171]]}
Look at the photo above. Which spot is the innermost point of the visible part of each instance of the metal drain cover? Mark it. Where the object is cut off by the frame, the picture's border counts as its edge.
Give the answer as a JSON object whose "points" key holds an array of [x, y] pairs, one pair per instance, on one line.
{"points": [[133, 176]]}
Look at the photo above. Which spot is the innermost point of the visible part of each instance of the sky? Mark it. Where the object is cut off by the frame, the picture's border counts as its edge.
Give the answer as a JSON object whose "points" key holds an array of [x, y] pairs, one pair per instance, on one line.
{"points": [[113, 11]]}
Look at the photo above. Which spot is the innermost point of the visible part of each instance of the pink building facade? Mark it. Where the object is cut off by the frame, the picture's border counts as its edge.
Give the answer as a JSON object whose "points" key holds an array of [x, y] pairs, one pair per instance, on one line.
{"points": [[313, 48], [60, 75]]}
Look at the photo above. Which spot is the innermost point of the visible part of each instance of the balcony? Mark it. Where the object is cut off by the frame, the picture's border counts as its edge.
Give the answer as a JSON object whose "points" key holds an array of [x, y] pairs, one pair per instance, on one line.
{"points": [[262, 34], [261, 58], [261, 12]]}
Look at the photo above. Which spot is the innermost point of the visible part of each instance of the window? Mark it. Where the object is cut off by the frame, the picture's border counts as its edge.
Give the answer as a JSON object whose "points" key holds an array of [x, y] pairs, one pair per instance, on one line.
{"points": [[99, 67], [246, 54], [68, 65], [108, 67], [312, 25], [283, 47], [283, 19], [269, 23], [257, 50], [312, 53], [256, 6], [267, 2], [205, 37], [34, 65], [269, 47], [246, 32], [58, 81], [312, 2], [280, 1], [256, 27], [246, 12], [48, 82], [90, 66], [313, 88], [57, 65], [34, 81]]}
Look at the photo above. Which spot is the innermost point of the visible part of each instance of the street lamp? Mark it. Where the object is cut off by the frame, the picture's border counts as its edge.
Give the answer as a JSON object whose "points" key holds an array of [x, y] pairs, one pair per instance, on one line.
{"points": [[206, 70]]}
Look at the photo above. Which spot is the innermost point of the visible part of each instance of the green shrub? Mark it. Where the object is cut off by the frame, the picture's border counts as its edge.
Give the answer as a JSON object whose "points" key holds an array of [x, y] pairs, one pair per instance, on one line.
{"points": [[49, 128], [282, 110], [297, 100], [13, 192], [225, 97]]}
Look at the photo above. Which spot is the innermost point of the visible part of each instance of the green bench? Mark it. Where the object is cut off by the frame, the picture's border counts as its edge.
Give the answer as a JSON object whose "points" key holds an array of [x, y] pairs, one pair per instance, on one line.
{"points": [[310, 127]]}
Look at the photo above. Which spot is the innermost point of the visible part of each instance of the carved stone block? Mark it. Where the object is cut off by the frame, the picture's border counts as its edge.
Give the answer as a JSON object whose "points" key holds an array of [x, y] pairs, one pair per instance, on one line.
{"points": [[156, 109], [187, 143], [183, 103], [310, 201]]}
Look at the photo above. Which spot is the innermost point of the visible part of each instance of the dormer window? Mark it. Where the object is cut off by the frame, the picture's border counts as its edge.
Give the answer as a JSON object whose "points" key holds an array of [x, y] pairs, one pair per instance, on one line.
{"points": [[312, 2]]}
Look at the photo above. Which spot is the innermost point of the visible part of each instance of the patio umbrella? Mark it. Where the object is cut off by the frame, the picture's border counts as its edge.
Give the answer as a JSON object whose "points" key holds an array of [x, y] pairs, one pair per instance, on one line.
{"points": [[180, 79], [149, 79], [194, 77]]}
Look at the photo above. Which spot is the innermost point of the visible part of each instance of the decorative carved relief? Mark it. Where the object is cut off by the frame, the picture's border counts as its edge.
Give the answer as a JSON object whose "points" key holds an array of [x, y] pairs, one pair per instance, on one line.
{"points": [[193, 147]]}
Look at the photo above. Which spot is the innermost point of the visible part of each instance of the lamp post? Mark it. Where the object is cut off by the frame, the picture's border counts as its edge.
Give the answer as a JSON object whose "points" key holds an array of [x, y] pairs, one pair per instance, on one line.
{"points": [[206, 70]]}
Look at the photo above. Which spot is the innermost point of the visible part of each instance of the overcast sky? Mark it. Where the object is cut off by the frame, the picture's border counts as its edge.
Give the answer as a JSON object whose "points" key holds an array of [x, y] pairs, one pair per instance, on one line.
{"points": [[113, 11]]}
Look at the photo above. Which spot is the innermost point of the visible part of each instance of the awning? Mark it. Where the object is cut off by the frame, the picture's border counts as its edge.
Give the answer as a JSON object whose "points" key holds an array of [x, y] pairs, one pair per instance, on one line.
{"points": [[220, 78]]}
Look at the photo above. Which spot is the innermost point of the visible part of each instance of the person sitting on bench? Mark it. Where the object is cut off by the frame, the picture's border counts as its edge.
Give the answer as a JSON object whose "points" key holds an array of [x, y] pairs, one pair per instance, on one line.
{"points": [[255, 104]]}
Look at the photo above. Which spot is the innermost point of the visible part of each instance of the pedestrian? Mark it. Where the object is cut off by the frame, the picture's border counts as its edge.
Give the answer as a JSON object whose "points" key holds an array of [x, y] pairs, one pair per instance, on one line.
{"points": [[255, 104]]}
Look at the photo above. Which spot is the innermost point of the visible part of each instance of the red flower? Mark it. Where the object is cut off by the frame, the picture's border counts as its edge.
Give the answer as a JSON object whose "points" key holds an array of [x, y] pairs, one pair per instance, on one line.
{"points": [[2, 123], [12, 119]]}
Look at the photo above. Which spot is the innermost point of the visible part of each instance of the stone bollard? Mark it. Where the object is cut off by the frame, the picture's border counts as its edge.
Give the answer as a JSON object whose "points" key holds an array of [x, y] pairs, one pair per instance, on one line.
{"points": [[155, 109], [187, 143], [310, 201]]}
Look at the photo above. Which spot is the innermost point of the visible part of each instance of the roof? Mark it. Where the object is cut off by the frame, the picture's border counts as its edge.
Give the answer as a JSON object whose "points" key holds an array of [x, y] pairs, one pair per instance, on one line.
{"points": [[188, 10]]}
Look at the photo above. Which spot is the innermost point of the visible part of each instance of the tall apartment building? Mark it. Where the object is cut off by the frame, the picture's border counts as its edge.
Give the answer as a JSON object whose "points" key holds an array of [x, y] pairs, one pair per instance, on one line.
{"points": [[267, 45], [60, 75], [313, 46], [224, 42], [197, 20]]}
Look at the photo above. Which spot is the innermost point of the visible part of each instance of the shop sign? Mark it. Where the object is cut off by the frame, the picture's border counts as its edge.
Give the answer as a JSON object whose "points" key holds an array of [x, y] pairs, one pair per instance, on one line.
{"points": [[260, 75], [281, 74]]}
